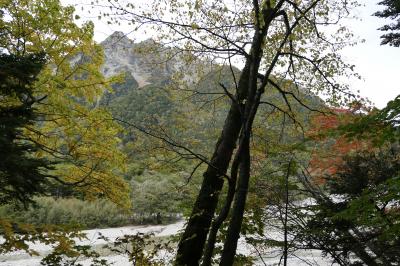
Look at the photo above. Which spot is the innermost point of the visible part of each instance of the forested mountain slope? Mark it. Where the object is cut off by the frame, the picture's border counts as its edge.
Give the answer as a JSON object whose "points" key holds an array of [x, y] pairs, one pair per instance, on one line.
{"points": [[167, 102]]}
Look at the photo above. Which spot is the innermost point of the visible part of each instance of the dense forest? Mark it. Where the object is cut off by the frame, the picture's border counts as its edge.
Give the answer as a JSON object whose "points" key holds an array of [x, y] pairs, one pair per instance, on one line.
{"points": [[230, 136]]}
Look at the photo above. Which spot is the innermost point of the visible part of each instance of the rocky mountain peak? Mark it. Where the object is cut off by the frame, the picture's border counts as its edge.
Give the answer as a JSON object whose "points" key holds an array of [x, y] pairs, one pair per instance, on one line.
{"points": [[117, 39], [122, 55], [148, 62]]}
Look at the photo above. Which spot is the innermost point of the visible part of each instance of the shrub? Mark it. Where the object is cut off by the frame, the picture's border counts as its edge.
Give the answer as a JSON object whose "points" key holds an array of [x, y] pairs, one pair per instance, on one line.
{"points": [[88, 214]]}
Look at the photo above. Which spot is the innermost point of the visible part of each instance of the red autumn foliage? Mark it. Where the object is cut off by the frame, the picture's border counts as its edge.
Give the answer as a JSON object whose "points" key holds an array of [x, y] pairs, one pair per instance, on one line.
{"points": [[330, 149]]}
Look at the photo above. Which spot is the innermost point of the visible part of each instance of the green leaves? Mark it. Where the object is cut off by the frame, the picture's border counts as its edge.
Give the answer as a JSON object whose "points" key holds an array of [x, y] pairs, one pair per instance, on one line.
{"points": [[378, 126], [74, 130]]}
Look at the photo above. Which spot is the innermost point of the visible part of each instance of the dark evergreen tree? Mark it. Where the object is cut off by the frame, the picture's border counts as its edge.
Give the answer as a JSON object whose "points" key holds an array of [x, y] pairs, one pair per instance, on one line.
{"points": [[21, 175], [392, 11], [359, 215]]}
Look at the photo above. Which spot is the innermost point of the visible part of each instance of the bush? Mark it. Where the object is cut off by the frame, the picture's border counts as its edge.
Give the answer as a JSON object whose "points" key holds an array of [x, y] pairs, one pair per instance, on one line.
{"points": [[158, 197], [88, 214]]}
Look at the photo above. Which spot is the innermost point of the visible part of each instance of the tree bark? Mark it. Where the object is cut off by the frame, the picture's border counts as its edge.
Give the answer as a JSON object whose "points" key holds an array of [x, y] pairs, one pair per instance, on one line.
{"points": [[235, 224], [251, 107], [285, 224], [216, 224], [190, 247]]}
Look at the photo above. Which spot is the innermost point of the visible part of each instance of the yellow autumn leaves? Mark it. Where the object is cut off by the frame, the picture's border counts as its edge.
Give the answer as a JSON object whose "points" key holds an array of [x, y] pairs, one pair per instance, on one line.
{"points": [[73, 129]]}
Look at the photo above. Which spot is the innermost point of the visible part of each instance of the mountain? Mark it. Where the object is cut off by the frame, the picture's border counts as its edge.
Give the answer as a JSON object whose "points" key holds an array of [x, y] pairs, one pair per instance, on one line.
{"points": [[149, 66], [193, 116], [147, 62], [143, 99], [150, 63]]}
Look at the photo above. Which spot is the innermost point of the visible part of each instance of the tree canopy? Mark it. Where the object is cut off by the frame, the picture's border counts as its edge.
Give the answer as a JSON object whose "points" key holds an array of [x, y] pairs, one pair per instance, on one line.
{"points": [[70, 129], [391, 11], [282, 47], [255, 70], [21, 174]]}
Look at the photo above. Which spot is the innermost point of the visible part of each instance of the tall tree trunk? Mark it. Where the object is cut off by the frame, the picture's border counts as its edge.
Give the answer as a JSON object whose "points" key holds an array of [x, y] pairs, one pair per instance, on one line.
{"points": [[251, 107], [216, 224], [235, 224], [190, 247], [285, 223]]}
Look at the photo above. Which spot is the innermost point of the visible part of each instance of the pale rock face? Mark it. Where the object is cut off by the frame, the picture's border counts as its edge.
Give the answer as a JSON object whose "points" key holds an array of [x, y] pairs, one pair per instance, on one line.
{"points": [[147, 61], [120, 57]]}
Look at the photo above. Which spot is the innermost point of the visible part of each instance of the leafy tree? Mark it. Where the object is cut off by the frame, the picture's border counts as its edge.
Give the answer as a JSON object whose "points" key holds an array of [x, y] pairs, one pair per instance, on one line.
{"points": [[156, 195], [55, 117], [359, 212], [391, 11], [378, 126], [329, 146], [71, 128], [275, 41], [351, 181]]}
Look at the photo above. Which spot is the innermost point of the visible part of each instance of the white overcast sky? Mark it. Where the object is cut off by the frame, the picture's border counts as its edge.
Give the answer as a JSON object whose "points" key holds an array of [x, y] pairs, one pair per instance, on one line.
{"points": [[378, 65]]}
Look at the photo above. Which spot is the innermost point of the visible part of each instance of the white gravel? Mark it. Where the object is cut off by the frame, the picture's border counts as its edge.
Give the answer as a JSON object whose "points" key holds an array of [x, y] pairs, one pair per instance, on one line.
{"points": [[20, 258], [300, 258]]}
